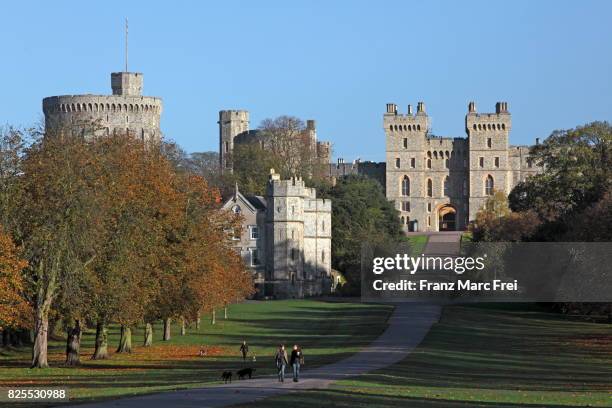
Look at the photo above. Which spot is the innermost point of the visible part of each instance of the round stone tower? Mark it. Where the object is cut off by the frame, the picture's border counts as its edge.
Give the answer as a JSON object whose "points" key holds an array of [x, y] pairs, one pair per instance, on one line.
{"points": [[125, 111]]}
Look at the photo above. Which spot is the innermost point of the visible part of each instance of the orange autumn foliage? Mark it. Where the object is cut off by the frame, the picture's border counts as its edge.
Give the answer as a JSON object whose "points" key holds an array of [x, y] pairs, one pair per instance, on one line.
{"points": [[14, 309]]}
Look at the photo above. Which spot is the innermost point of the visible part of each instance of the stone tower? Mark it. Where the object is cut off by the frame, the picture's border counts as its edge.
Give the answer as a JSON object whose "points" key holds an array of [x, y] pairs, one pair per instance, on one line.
{"points": [[298, 239], [125, 111], [231, 124], [489, 166]]}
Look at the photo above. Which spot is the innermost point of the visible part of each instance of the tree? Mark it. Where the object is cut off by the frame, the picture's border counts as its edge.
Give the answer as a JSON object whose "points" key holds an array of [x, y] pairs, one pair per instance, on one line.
{"points": [[360, 214], [577, 171], [15, 311], [57, 223]]}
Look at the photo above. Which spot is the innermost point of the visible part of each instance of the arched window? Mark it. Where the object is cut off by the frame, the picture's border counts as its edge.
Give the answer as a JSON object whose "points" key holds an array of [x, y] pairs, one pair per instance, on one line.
{"points": [[397, 163], [489, 185], [429, 188], [405, 186], [429, 163], [446, 187]]}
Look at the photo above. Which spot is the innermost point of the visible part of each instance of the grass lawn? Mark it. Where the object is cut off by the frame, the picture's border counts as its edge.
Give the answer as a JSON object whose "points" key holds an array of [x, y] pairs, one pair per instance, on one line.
{"points": [[327, 332], [486, 356], [417, 243]]}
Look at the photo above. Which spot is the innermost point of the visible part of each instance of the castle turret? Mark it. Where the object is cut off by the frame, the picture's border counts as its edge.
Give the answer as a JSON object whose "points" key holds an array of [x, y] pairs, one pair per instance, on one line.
{"points": [[489, 167], [126, 83], [231, 124]]}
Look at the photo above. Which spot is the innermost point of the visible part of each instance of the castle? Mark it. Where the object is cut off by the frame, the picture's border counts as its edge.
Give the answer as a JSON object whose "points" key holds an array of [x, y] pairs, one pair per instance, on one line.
{"points": [[234, 129], [126, 111], [440, 183], [285, 239]]}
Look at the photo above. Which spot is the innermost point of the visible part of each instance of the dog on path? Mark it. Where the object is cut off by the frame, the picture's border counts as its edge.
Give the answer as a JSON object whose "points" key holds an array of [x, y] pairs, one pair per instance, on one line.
{"points": [[227, 376], [244, 372]]}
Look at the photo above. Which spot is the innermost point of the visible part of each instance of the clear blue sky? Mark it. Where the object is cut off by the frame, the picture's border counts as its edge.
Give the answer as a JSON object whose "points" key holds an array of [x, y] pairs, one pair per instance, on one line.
{"points": [[338, 62]]}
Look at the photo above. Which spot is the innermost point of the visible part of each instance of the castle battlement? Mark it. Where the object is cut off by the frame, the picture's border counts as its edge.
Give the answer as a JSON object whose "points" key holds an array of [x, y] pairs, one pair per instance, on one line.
{"points": [[126, 111]]}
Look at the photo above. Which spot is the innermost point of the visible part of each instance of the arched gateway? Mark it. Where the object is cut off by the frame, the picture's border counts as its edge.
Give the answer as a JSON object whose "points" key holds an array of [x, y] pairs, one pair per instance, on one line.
{"points": [[447, 218]]}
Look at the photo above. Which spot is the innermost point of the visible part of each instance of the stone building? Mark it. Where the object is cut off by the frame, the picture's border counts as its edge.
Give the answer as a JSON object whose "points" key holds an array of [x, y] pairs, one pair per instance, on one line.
{"points": [[440, 183], [234, 129], [125, 111], [286, 238]]}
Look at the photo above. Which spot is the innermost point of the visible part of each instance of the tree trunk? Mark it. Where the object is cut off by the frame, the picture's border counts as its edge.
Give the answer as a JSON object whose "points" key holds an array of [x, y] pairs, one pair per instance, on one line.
{"points": [[183, 332], [148, 336], [39, 349], [213, 318], [225, 312], [125, 341], [167, 326], [101, 344], [73, 345], [198, 321]]}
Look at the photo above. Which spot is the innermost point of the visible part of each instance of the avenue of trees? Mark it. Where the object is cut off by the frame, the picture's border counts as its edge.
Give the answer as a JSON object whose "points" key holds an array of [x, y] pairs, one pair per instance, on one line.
{"points": [[108, 231]]}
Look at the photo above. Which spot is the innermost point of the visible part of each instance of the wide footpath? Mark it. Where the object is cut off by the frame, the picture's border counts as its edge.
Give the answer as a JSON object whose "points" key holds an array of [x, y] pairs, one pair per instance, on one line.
{"points": [[408, 325]]}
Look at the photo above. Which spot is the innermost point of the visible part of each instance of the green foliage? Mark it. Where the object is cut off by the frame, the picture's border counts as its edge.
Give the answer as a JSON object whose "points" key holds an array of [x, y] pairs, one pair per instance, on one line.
{"points": [[577, 172], [360, 214]]}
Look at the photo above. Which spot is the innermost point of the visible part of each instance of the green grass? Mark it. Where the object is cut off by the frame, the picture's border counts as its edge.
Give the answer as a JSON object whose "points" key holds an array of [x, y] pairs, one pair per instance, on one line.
{"points": [[489, 356], [417, 243], [327, 332]]}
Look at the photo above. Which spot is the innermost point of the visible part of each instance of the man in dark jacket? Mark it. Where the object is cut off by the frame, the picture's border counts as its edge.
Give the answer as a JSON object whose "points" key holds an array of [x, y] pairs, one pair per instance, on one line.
{"points": [[244, 349], [296, 360], [281, 362]]}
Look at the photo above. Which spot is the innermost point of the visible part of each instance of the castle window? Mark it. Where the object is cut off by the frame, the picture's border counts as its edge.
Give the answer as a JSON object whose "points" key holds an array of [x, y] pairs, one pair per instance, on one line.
{"points": [[405, 186], [397, 163], [481, 162], [322, 256], [413, 162], [435, 155], [429, 163], [405, 128], [479, 127], [504, 126], [391, 127], [323, 225], [402, 220], [253, 232], [428, 221], [489, 185], [293, 210], [498, 126], [90, 108], [236, 209], [405, 205], [446, 187], [497, 162], [293, 278], [489, 143], [447, 163], [396, 127], [226, 147], [474, 126], [529, 163], [405, 143], [407, 220], [428, 207], [418, 127], [254, 256], [429, 188]]}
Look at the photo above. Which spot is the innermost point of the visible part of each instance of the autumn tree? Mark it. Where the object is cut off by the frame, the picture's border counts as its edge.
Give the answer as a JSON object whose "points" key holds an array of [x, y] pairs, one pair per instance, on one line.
{"points": [[58, 223], [15, 311]]}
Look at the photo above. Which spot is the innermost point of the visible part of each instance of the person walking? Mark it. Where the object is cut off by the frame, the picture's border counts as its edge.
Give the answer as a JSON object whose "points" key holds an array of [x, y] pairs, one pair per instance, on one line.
{"points": [[244, 349], [297, 358], [281, 362]]}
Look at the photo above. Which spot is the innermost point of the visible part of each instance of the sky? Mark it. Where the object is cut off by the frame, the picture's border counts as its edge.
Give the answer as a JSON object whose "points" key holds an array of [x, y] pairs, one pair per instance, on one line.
{"points": [[338, 62]]}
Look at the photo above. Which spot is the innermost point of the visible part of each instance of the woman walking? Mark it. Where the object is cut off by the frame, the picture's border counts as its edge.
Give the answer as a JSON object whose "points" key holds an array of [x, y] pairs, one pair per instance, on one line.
{"points": [[281, 362]]}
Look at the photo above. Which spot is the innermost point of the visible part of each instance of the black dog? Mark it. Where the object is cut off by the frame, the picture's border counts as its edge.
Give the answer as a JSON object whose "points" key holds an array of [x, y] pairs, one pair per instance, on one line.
{"points": [[227, 376], [244, 372]]}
